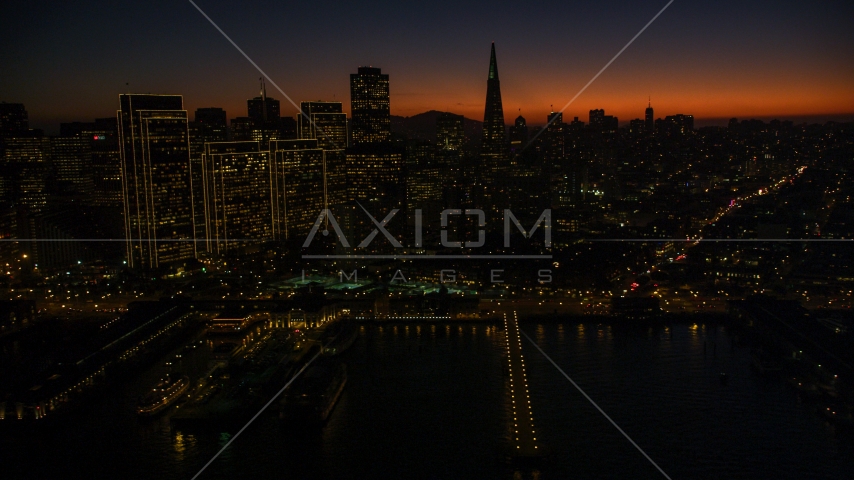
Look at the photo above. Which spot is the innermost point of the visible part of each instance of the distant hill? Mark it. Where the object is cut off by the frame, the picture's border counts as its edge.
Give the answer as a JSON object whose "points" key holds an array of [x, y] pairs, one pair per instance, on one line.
{"points": [[423, 127]]}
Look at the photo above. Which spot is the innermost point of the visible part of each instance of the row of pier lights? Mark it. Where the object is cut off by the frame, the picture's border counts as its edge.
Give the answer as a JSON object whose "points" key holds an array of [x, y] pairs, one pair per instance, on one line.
{"points": [[524, 438]]}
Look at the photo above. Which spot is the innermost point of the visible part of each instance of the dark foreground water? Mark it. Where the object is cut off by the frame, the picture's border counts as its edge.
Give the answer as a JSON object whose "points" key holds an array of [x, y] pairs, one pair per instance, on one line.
{"points": [[428, 402]]}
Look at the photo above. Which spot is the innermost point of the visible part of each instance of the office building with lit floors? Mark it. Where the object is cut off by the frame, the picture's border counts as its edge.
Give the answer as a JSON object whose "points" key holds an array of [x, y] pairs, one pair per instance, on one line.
{"points": [[369, 106], [156, 186], [374, 173], [298, 187], [326, 123], [236, 178], [374, 182]]}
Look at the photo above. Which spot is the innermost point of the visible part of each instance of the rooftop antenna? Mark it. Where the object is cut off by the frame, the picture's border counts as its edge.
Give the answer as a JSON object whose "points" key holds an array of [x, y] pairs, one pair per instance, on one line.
{"points": [[263, 100]]}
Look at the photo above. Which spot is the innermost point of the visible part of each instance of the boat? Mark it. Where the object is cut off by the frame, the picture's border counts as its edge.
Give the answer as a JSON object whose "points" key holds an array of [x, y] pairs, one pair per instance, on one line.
{"points": [[167, 392], [313, 395], [229, 394]]}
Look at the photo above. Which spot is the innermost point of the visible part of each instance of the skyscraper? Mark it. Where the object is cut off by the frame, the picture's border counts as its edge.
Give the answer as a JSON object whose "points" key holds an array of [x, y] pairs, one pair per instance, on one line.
{"points": [[369, 106], [489, 181], [106, 163], [156, 186], [324, 122], [298, 186], [210, 124], [263, 109], [13, 119], [519, 133], [237, 195], [494, 144], [601, 123], [25, 170], [450, 131], [72, 163], [327, 123], [375, 174], [649, 117], [214, 121]]}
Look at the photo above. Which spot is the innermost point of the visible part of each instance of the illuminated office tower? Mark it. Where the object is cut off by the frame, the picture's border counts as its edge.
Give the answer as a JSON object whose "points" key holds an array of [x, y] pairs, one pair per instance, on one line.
{"points": [[72, 158], [369, 106], [450, 131], [241, 129], [375, 180], [324, 122], [13, 123], [208, 125], [494, 142], [156, 185], [25, 172], [105, 164], [26, 168], [554, 148], [375, 174], [298, 186], [426, 179], [236, 177]]}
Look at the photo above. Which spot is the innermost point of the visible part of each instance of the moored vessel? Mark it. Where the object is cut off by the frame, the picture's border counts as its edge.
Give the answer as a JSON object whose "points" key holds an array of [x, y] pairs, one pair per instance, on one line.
{"points": [[168, 390]]}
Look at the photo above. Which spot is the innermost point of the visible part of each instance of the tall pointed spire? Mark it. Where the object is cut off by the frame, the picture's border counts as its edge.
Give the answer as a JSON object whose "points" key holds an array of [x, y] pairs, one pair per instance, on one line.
{"points": [[494, 143], [493, 65]]}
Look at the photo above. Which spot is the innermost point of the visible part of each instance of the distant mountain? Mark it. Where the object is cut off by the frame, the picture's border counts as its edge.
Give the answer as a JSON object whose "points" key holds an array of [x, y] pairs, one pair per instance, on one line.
{"points": [[423, 127]]}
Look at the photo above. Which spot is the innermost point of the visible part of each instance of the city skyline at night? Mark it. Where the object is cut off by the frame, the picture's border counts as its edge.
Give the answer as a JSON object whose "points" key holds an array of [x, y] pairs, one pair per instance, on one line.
{"points": [[330, 241], [749, 61]]}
